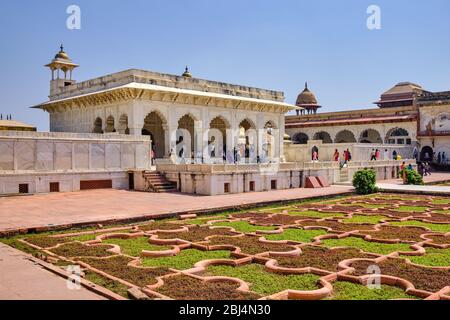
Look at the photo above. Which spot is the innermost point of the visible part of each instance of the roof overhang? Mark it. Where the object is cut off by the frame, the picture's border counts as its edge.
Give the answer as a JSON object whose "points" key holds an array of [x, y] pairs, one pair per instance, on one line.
{"points": [[168, 94]]}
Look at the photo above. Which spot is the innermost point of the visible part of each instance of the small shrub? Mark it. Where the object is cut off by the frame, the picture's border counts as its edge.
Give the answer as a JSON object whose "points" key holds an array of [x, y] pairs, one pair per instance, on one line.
{"points": [[364, 181], [412, 177]]}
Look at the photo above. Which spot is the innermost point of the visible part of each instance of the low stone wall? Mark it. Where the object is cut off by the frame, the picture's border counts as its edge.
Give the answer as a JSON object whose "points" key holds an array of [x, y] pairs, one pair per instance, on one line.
{"points": [[37, 159], [223, 179], [360, 152]]}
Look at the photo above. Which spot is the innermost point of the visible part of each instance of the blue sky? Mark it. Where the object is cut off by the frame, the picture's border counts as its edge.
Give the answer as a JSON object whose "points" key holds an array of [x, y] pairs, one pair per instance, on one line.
{"points": [[268, 44]]}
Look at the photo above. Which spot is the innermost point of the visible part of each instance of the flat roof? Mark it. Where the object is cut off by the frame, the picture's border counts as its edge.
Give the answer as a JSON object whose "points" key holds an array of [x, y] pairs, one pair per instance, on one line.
{"points": [[144, 86]]}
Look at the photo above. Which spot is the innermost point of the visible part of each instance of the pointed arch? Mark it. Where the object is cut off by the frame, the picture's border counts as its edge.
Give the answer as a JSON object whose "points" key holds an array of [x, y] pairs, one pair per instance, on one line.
{"points": [[300, 138], [324, 136], [370, 136], [153, 127], [345, 136], [98, 125]]}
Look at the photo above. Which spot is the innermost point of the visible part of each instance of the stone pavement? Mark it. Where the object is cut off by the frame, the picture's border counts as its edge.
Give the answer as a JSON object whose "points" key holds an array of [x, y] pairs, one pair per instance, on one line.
{"points": [[53, 209], [22, 279], [396, 185]]}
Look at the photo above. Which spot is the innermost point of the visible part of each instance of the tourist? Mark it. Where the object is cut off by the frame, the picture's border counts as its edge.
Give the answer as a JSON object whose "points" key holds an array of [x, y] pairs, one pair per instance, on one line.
{"points": [[403, 166], [420, 168], [444, 158], [315, 156], [336, 155], [410, 167], [372, 155], [394, 155], [439, 158], [349, 155], [153, 155], [427, 171], [386, 154], [415, 154], [377, 155]]}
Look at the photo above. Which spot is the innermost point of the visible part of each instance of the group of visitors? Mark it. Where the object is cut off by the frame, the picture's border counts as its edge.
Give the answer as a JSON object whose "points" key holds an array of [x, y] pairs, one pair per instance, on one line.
{"points": [[442, 158], [423, 168], [347, 156]]}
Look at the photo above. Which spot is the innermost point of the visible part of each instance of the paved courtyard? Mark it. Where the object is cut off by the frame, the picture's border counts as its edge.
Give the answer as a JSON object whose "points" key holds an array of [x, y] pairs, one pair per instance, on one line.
{"points": [[396, 185], [100, 205], [22, 279]]}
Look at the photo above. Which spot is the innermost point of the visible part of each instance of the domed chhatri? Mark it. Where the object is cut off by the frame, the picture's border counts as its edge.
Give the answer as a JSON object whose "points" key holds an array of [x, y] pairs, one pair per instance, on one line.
{"points": [[61, 64], [62, 54], [308, 101], [186, 73]]}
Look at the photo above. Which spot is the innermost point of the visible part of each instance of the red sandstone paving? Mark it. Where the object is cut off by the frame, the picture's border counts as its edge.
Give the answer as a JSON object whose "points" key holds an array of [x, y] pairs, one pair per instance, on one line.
{"points": [[99, 205]]}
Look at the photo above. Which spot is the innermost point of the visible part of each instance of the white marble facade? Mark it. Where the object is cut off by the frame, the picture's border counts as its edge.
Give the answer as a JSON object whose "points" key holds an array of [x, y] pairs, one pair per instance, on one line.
{"points": [[157, 102]]}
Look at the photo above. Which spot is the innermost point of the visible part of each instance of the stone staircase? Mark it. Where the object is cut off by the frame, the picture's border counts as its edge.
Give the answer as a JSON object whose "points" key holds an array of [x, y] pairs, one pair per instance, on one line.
{"points": [[343, 177], [157, 182]]}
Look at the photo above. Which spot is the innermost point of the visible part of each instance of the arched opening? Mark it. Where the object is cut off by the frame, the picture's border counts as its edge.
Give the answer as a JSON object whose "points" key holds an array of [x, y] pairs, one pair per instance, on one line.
{"points": [[300, 138], [123, 125], [247, 141], [315, 153], [426, 154], [324, 136], [98, 125], [217, 139], [110, 125], [398, 136], [370, 136], [153, 127], [186, 137], [345, 136]]}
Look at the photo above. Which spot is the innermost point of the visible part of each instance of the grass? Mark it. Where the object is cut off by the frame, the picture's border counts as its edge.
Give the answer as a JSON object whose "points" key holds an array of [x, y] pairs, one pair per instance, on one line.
{"points": [[185, 259], [89, 237], [243, 226], [203, 219], [367, 246], [343, 290], [432, 226], [411, 209], [134, 246], [316, 214], [441, 201], [266, 283], [15, 243], [365, 219], [365, 205], [109, 284], [442, 211], [299, 235], [433, 258]]}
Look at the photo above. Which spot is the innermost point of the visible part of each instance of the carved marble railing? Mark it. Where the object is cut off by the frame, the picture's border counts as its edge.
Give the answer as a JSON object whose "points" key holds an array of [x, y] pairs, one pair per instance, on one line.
{"points": [[167, 167], [73, 136]]}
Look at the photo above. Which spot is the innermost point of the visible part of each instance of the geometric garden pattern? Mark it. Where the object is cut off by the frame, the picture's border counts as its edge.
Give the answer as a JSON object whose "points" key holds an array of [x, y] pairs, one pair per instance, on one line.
{"points": [[337, 249]]}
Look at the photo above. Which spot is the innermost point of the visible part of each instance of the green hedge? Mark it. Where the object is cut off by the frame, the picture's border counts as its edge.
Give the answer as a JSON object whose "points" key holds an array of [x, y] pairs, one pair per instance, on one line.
{"points": [[412, 177], [364, 181]]}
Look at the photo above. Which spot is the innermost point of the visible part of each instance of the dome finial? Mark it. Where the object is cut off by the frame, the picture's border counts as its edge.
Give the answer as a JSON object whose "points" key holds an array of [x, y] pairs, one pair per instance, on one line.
{"points": [[306, 85], [62, 48], [186, 73]]}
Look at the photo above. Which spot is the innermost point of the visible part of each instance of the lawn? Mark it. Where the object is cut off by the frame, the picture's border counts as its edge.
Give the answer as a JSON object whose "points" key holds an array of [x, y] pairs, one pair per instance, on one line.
{"points": [[199, 243]]}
